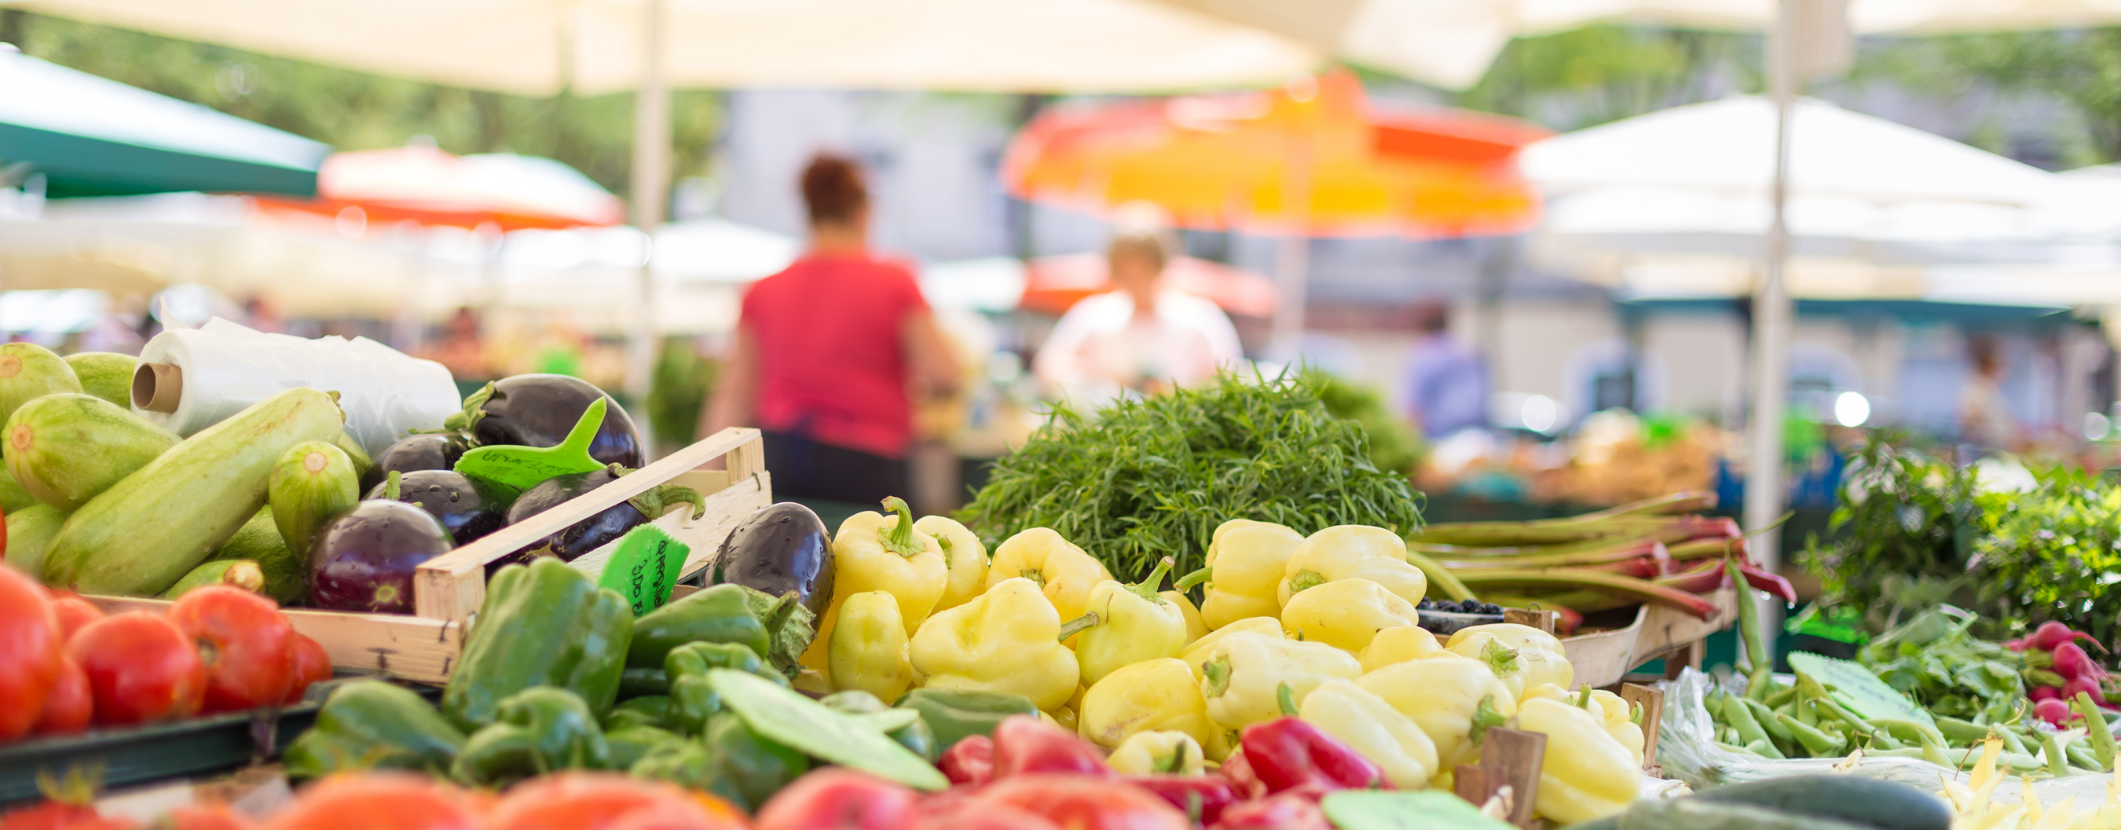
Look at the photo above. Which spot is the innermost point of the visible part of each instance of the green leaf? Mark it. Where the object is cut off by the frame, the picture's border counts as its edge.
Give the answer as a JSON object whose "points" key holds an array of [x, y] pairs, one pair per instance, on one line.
{"points": [[853, 741]]}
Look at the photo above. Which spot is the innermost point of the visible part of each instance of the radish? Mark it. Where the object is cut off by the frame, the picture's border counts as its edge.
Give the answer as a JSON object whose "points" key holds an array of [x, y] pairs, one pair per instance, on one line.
{"points": [[2085, 685], [2051, 635], [2052, 710], [2043, 694], [2072, 663]]}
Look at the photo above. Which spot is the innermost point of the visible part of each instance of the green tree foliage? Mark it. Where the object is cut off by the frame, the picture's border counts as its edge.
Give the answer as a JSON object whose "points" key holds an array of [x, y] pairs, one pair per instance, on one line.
{"points": [[2078, 70], [352, 110], [1594, 75]]}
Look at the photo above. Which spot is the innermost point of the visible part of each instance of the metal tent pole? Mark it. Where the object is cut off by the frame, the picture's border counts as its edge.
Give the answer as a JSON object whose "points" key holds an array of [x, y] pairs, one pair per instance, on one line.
{"points": [[1772, 314], [651, 181]]}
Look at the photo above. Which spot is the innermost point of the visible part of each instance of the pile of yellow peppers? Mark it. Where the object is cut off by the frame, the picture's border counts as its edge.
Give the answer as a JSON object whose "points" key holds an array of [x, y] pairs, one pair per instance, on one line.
{"points": [[1167, 686]]}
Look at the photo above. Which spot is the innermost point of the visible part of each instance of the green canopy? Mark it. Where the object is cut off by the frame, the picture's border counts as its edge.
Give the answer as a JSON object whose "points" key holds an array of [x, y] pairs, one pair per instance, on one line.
{"points": [[88, 136]]}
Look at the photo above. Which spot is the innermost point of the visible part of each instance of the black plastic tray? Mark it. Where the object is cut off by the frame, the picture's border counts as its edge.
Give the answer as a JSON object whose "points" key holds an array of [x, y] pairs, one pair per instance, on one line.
{"points": [[192, 748]]}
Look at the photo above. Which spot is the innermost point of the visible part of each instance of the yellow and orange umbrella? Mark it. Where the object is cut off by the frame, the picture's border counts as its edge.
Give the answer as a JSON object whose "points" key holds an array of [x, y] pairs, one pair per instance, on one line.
{"points": [[1313, 158]]}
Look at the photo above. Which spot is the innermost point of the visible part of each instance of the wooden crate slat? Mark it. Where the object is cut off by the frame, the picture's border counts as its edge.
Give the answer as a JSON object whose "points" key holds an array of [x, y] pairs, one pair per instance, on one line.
{"points": [[727, 504]]}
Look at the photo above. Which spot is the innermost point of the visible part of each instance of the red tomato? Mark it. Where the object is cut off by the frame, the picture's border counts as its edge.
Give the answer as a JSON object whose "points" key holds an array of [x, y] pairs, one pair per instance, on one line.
{"points": [[68, 707], [377, 801], [204, 817], [244, 643], [30, 652], [307, 664], [608, 801], [140, 669], [74, 613], [58, 815]]}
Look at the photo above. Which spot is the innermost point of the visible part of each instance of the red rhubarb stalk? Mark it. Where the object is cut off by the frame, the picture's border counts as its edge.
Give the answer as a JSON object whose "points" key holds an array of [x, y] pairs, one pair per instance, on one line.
{"points": [[1640, 590]]}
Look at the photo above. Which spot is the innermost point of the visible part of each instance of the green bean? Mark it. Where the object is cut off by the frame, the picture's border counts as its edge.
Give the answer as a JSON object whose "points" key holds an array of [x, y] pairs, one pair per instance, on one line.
{"points": [[1768, 722], [1884, 740], [1765, 749], [1933, 752], [2051, 749], [1907, 730], [1818, 743], [2082, 756], [1959, 730], [2012, 742], [1741, 718], [1731, 747], [1755, 636], [1806, 713], [1782, 697], [2102, 736], [1897, 752], [1829, 709]]}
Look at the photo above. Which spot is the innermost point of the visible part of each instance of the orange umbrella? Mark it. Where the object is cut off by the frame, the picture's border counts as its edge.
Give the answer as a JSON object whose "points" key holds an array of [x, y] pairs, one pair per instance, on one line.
{"points": [[1234, 160], [1054, 283], [433, 187]]}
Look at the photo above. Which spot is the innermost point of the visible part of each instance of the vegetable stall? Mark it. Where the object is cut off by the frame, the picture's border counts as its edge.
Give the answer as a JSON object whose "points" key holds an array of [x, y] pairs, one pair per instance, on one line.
{"points": [[1201, 609]]}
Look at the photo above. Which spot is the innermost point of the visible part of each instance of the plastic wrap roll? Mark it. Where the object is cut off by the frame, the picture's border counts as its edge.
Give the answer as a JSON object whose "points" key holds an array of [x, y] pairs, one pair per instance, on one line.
{"points": [[225, 367]]}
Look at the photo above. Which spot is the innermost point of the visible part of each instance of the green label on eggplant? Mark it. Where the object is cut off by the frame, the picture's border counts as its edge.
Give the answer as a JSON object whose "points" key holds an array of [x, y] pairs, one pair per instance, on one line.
{"points": [[1857, 689], [525, 467], [1427, 810], [645, 567]]}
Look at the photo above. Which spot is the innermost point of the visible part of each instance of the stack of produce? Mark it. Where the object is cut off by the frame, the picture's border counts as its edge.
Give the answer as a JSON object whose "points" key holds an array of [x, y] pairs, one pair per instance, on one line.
{"points": [[67, 666], [1647, 552]]}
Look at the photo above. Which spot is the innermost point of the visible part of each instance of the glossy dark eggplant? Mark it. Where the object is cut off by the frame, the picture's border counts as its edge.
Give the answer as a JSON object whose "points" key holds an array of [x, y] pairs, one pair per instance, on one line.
{"points": [[424, 451], [596, 531], [782, 547], [364, 560], [539, 410], [467, 507]]}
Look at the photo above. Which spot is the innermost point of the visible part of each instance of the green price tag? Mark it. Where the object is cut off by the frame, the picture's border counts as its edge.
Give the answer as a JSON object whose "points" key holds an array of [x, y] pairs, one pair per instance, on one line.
{"points": [[645, 567], [1423, 810], [527, 467], [1856, 688]]}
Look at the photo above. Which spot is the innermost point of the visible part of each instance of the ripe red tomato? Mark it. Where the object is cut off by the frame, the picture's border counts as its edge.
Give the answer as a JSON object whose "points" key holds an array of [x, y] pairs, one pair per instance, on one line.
{"points": [[377, 801], [59, 815], [608, 801], [308, 664], [73, 612], [68, 707], [204, 817], [140, 669], [244, 643], [30, 652]]}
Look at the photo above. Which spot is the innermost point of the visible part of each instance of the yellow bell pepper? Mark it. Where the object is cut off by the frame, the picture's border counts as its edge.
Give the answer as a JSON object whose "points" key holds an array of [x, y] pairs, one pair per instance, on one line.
{"points": [[1154, 695], [1350, 552], [1397, 645], [873, 552], [1346, 613], [1540, 656], [1612, 710], [963, 556], [1243, 675], [1195, 628], [1375, 730], [1200, 650], [1244, 564], [1062, 717], [1007, 640], [1126, 624], [1063, 572], [1157, 753], [1454, 700], [1587, 774], [868, 647]]}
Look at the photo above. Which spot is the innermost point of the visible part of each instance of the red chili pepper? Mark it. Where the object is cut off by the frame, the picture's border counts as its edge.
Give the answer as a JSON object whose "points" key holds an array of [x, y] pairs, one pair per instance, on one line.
{"points": [[969, 761], [1288, 811], [1203, 797], [1243, 780], [1287, 753], [1024, 744], [838, 799]]}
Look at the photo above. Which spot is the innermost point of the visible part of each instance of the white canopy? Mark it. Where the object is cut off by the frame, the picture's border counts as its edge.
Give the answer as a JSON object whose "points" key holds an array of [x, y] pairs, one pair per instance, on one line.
{"points": [[538, 47]]}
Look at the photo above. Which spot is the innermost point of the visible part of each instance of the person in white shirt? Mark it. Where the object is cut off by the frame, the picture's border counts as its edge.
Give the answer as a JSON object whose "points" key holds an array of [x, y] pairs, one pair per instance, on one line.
{"points": [[1145, 337]]}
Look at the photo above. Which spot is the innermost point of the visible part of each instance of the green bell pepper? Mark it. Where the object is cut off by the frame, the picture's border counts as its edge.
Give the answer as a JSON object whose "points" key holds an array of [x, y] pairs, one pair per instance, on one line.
{"points": [[730, 760], [538, 730], [544, 624], [957, 714], [371, 724], [629, 744], [777, 629], [692, 698], [641, 711], [639, 682], [916, 736]]}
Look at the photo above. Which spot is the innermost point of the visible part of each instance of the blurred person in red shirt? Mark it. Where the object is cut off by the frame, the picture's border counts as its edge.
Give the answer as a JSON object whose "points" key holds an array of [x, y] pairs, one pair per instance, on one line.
{"points": [[831, 353]]}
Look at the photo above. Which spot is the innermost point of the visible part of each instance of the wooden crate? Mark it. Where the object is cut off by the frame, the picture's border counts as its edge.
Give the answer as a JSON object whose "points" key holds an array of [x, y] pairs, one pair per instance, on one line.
{"points": [[1602, 658], [447, 590]]}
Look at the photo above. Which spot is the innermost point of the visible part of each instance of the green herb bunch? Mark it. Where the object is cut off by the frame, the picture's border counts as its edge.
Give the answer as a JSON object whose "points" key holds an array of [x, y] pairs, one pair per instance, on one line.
{"points": [[2053, 554], [1145, 479], [1902, 515], [1935, 659], [1394, 445]]}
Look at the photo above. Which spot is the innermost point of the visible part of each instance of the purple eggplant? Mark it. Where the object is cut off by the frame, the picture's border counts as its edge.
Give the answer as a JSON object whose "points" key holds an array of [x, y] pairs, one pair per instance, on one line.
{"points": [[364, 560], [422, 451], [781, 548], [467, 507], [601, 529], [539, 410]]}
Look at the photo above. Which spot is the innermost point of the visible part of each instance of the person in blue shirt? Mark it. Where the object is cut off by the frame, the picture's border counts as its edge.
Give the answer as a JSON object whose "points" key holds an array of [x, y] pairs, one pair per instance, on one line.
{"points": [[1446, 382]]}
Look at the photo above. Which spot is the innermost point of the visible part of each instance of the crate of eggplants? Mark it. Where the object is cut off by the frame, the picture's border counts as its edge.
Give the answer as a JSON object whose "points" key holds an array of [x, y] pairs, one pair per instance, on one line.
{"points": [[364, 559], [539, 411], [601, 529], [779, 549]]}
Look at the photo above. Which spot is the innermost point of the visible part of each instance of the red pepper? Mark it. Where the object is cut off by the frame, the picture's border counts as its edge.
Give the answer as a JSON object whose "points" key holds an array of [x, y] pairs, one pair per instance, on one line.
{"points": [[836, 798], [1081, 802], [1288, 811], [1287, 753], [1203, 797], [1243, 780], [969, 761], [1024, 744]]}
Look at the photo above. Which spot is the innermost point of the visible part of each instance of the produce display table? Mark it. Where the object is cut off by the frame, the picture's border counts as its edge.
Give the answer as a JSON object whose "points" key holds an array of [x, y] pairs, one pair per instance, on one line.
{"points": [[1602, 658]]}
